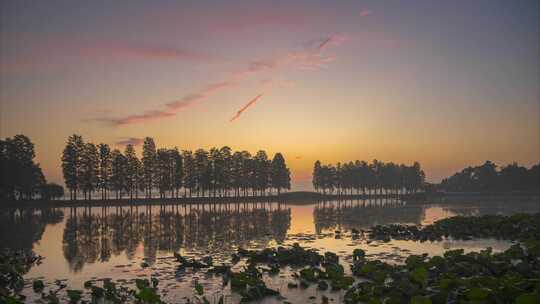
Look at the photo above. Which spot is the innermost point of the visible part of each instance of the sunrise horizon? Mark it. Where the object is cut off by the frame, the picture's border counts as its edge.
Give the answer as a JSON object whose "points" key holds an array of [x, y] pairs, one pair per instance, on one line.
{"points": [[364, 80]]}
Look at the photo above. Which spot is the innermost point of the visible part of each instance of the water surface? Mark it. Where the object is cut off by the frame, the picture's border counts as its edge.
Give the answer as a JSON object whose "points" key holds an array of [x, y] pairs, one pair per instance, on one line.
{"points": [[124, 243]]}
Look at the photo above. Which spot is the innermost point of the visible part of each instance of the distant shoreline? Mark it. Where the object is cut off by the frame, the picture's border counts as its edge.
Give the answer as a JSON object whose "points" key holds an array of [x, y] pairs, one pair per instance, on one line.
{"points": [[299, 197]]}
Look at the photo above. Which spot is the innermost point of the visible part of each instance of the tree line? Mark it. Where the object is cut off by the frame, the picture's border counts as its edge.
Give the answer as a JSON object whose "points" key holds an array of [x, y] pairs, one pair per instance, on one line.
{"points": [[488, 178], [21, 177], [374, 177], [90, 168]]}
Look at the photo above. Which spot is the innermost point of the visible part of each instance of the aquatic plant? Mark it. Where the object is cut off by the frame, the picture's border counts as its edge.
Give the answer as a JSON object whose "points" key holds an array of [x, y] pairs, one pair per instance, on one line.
{"points": [[514, 227], [13, 265], [512, 276]]}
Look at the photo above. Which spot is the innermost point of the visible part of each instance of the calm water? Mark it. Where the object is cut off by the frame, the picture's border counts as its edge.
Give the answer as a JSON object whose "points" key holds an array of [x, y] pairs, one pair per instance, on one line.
{"points": [[81, 244]]}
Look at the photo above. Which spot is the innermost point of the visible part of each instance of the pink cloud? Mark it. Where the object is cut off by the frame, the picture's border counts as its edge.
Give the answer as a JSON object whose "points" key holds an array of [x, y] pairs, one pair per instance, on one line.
{"points": [[185, 102], [137, 118], [247, 105], [148, 51], [170, 109], [310, 58], [58, 50]]}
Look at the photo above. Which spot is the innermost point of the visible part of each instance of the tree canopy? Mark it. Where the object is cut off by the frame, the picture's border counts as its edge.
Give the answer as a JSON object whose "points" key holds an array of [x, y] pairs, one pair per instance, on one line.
{"points": [[167, 171], [21, 177], [487, 178]]}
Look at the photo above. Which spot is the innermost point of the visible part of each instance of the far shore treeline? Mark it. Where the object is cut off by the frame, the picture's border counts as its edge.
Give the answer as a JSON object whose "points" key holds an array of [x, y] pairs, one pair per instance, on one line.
{"points": [[486, 178], [88, 168], [374, 177], [97, 170]]}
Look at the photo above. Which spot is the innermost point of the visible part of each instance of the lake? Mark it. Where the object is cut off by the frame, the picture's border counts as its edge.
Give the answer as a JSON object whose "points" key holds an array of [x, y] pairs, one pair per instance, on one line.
{"points": [[124, 243]]}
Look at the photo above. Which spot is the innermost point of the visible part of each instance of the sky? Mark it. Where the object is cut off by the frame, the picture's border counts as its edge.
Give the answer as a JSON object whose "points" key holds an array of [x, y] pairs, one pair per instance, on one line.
{"points": [[445, 83]]}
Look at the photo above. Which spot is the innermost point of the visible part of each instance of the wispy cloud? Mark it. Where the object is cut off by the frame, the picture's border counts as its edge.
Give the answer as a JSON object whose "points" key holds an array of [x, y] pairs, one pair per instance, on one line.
{"points": [[147, 51], [137, 118], [169, 109], [247, 105], [134, 141], [310, 57], [50, 51]]}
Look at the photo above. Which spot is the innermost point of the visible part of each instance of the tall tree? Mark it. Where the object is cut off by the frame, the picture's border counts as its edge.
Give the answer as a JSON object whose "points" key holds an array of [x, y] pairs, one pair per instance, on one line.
{"points": [[105, 163], [149, 160], [247, 173], [226, 178], [163, 172], [177, 171], [118, 177], [262, 171], [316, 180], [190, 174], [216, 164], [89, 169], [132, 164], [280, 174], [203, 171], [71, 164]]}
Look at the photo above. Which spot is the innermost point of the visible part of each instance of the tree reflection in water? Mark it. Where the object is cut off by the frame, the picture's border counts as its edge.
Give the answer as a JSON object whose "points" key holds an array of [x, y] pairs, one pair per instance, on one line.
{"points": [[348, 214], [95, 234], [22, 228]]}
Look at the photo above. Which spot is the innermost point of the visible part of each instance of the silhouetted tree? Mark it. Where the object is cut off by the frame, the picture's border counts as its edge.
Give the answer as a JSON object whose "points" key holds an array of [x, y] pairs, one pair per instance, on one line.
{"points": [[21, 177], [316, 176], [280, 174], [71, 164], [262, 171], [149, 164], [226, 177], [177, 171], [486, 178], [374, 177], [218, 171], [190, 174], [163, 172], [203, 172], [216, 166], [246, 175], [89, 169], [132, 170], [51, 191], [119, 177], [105, 168]]}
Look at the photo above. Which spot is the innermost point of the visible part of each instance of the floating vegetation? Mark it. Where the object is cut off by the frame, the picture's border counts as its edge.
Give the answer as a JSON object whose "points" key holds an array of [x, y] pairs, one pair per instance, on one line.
{"points": [[515, 227], [13, 265], [512, 276], [294, 256]]}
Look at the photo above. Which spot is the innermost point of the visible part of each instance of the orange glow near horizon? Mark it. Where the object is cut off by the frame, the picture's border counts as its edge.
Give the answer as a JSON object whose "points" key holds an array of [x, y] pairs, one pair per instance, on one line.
{"points": [[341, 82]]}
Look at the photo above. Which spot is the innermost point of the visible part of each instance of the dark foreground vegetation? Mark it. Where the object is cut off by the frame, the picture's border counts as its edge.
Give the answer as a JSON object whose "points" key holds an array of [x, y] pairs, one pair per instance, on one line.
{"points": [[512, 276]]}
